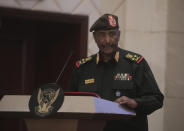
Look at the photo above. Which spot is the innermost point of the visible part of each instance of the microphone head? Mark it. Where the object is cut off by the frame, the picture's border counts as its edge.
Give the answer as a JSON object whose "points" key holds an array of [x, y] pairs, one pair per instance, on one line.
{"points": [[46, 100]]}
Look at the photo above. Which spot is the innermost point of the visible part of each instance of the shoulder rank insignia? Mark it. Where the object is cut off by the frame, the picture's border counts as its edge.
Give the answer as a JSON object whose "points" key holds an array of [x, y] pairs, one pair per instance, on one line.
{"points": [[134, 57], [82, 61]]}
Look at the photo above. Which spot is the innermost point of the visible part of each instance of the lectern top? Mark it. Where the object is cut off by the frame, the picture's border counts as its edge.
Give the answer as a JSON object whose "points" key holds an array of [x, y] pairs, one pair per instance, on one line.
{"points": [[78, 107]]}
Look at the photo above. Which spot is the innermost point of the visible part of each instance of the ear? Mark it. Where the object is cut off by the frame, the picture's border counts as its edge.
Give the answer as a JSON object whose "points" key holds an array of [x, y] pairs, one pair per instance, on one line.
{"points": [[119, 32], [94, 36]]}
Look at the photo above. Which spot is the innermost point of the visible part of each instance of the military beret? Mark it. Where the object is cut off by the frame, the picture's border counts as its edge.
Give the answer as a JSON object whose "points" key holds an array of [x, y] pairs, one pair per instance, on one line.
{"points": [[105, 22]]}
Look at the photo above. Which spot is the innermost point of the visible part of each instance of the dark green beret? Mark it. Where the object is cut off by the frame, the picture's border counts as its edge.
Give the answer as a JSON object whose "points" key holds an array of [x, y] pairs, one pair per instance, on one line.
{"points": [[105, 22]]}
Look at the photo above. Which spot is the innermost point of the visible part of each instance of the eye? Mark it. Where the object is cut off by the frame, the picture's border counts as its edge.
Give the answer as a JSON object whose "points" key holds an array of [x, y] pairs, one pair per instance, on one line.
{"points": [[100, 34], [112, 33]]}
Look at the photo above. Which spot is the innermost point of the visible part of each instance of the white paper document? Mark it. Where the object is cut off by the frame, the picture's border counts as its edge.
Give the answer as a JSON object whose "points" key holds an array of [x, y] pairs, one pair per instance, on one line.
{"points": [[106, 106]]}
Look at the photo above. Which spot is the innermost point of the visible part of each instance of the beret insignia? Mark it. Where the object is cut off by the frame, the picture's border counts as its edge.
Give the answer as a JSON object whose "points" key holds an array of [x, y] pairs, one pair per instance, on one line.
{"points": [[82, 61], [134, 57], [112, 21]]}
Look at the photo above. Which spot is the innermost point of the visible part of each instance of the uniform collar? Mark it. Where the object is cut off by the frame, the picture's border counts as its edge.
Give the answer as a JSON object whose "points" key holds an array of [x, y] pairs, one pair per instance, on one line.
{"points": [[116, 57]]}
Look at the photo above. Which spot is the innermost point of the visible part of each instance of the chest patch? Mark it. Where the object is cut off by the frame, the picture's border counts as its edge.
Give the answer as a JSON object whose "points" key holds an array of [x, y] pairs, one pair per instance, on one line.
{"points": [[123, 77], [89, 81]]}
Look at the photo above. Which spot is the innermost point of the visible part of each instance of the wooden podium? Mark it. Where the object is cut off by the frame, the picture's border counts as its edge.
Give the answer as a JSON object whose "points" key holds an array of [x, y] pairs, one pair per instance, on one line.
{"points": [[78, 113]]}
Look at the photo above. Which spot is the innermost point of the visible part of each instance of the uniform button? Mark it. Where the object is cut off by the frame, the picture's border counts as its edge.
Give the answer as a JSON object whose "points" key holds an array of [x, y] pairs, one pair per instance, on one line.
{"points": [[118, 93]]}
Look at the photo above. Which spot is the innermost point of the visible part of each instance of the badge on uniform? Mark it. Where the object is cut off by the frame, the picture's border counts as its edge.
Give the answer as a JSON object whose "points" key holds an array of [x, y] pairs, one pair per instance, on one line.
{"points": [[134, 57], [89, 81], [123, 76], [82, 61], [46, 100], [112, 20], [118, 93]]}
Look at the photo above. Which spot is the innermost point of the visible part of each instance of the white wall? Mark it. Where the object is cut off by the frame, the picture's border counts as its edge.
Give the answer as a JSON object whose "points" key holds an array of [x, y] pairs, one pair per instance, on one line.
{"points": [[174, 103]]}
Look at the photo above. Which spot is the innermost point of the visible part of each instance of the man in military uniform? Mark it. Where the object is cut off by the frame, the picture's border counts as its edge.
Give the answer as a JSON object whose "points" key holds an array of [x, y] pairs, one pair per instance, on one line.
{"points": [[118, 75]]}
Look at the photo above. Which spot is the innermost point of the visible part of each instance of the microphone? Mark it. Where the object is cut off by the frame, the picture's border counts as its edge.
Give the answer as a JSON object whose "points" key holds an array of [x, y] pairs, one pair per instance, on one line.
{"points": [[62, 70], [48, 98]]}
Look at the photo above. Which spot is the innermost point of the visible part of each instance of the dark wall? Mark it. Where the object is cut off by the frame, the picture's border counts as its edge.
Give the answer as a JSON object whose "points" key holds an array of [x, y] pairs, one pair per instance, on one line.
{"points": [[34, 47]]}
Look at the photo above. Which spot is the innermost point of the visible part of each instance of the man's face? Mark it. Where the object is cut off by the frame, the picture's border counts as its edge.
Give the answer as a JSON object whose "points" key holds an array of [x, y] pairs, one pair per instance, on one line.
{"points": [[107, 40]]}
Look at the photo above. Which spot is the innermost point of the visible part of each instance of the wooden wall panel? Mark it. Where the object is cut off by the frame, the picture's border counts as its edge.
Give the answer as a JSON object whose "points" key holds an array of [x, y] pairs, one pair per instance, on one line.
{"points": [[34, 47]]}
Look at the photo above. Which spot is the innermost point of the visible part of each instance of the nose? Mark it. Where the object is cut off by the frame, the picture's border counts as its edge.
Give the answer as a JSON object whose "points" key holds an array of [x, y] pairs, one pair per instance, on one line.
{"points": [[107, 38]]}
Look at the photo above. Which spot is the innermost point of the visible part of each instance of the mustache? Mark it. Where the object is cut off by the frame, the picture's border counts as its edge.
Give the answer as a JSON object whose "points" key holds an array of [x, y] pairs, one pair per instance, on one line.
{"points": [[108, 45]]}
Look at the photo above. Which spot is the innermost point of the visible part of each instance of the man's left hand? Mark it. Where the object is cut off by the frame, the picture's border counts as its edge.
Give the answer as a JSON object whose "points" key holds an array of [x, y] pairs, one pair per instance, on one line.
{"points": [[124, 100]]}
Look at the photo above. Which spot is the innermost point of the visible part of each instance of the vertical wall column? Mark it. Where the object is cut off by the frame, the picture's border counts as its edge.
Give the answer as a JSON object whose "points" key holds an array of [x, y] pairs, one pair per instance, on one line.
{"points": [[174, 102]]}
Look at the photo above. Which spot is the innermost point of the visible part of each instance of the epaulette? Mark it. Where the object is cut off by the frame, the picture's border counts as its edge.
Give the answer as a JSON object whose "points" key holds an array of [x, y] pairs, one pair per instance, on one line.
{"points": [[134, 57], [82, 61]]}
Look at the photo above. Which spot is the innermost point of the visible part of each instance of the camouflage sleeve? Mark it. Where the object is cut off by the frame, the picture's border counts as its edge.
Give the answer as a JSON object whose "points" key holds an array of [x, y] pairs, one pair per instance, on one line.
{"points": [[149, 97]]}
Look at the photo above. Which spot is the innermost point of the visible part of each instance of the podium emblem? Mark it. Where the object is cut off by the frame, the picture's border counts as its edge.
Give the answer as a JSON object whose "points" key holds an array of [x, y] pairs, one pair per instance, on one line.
{"points": [[46, 100]]}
